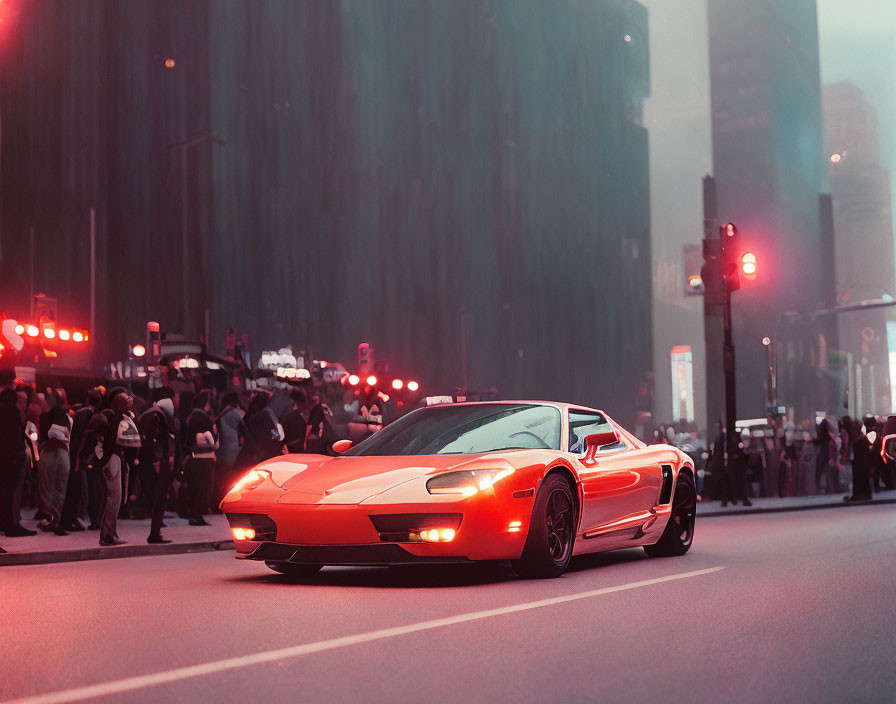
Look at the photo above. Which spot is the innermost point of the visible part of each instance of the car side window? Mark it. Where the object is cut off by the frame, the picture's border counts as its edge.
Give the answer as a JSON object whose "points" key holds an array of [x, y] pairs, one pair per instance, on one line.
{"points": [[582, 424]]}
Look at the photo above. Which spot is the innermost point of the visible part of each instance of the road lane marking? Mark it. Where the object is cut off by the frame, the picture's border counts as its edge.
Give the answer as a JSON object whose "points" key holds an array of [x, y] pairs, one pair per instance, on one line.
{"points": [[130, 684]]}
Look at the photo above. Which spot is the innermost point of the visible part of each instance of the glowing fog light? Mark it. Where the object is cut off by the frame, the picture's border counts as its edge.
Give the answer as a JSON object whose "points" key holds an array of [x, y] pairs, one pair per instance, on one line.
{"points": [[243, 533], [438, 535]]}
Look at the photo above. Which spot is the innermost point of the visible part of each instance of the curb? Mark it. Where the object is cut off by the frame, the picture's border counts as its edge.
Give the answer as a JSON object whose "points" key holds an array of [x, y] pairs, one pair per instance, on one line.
{"points": [[110, 552], [787, 509]]}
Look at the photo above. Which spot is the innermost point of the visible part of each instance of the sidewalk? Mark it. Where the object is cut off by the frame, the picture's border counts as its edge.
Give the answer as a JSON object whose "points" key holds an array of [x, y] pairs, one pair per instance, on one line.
{"points": [[707, 509], [47, 547]]}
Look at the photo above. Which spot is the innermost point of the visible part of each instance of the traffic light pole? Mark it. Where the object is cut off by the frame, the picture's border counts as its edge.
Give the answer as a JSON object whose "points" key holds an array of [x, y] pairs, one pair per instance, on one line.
{"points": [[730, 388]]}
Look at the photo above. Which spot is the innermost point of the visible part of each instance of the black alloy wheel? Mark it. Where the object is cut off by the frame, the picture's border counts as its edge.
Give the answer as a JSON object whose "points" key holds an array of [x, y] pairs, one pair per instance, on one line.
{"points": [[558, 522], [549, 544], [679, 534]]}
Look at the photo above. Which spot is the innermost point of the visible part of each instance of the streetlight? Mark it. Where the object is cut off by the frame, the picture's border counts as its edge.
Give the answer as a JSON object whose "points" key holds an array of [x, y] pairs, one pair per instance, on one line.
{"points": [[183, 145], [772, 371]]}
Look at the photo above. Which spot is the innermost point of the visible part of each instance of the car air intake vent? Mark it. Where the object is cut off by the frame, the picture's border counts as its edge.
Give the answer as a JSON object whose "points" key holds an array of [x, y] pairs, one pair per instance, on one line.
{"points": [[666, 491]]}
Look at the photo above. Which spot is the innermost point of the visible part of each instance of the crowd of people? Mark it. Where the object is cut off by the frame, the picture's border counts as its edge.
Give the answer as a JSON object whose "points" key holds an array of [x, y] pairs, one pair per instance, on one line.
{"points": [[121, 455], [782, 459]]}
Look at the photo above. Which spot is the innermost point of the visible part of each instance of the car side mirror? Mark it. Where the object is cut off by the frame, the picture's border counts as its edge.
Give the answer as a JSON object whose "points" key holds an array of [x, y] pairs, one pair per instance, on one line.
{"points": [[595, 441], [341, 445]]}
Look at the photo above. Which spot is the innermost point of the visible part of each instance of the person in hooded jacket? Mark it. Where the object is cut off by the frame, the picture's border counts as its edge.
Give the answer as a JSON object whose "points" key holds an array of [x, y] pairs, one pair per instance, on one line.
{"points": [[861, 463], [112, 464], [260, 432], [159, 431], [53, 468]]}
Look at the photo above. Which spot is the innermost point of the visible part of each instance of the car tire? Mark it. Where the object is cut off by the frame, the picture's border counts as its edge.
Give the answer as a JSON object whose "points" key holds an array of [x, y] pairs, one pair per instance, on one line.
{"points": [[552, 531], [679, 534], [292, 569]]}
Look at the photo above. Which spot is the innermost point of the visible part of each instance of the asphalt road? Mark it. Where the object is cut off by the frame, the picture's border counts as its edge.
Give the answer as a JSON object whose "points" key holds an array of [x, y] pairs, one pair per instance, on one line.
{"points": [[802, 610]]}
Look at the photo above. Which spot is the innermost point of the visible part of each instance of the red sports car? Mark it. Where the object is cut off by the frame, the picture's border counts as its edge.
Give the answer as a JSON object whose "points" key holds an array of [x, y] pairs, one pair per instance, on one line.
{"points": [[530, 482]]}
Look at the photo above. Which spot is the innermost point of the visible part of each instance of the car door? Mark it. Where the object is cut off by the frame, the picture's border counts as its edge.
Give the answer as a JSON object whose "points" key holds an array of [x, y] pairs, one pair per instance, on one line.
{"points": [[619, 487]]}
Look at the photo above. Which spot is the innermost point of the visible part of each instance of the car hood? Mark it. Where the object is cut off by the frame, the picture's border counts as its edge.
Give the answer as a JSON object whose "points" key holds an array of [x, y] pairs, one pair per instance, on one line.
{"points": [[315, 479]]}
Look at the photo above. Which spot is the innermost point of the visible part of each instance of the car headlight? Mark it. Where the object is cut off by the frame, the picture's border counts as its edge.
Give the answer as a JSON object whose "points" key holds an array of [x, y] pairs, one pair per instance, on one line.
{"points": [[466, 483], [251, 479]]}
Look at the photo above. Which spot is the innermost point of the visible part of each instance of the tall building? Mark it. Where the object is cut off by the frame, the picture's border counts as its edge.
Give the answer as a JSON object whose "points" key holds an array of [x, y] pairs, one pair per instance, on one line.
{"points": [[432, 177], [767, 161], [863, 252]]}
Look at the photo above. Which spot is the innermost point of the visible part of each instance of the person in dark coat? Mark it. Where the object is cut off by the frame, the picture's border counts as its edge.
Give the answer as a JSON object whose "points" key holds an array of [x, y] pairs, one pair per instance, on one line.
{"points": [[293, 422], [261, 433], [76, 497], [319, 435], [886, 464], [158, 430], [201, 443], [12, 463], [861, 463], [88, 459]]}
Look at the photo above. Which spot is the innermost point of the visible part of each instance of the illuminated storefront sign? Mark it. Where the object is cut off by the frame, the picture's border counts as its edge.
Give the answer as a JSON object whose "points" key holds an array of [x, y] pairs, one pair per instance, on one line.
{"points": [[682, 383]]}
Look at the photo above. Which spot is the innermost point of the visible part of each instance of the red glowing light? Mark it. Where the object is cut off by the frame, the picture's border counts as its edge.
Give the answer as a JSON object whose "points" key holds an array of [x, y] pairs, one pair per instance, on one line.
{"points": [[354, 379], [413, 386], [169, 63], [371, 380], [138, 350], [397, 384], [730, 229], [748, 264]]}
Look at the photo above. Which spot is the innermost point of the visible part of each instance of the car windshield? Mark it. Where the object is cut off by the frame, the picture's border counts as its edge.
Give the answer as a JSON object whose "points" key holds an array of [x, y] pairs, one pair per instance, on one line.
{"points": [[458, 430]]}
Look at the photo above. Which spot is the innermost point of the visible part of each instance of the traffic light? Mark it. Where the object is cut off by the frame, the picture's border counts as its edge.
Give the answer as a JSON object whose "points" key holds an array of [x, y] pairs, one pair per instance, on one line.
{"points": [[748, 265], [730, 265]]}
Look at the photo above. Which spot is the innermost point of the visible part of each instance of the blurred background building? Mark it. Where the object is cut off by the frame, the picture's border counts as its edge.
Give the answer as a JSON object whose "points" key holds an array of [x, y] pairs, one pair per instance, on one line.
{"points": [[464, 184]]}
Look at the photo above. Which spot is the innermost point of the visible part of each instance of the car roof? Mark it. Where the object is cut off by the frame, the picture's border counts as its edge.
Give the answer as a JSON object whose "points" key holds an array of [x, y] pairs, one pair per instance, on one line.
{"points": [[556, 404]]}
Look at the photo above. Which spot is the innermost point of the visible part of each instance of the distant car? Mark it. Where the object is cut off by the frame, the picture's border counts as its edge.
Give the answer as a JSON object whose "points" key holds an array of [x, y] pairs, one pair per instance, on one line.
{"points": [[530, 482]]}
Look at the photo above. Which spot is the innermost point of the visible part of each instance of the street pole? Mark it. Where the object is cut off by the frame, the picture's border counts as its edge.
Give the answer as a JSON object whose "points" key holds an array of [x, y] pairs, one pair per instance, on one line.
{"points": [[185, 249], [93, 273], [730, 388], [31, 274], [463, 347]]}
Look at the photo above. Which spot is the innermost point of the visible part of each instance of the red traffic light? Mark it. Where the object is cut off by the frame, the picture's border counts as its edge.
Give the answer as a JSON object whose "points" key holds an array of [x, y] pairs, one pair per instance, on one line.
{"points": [[748, 265], [729, 230]]}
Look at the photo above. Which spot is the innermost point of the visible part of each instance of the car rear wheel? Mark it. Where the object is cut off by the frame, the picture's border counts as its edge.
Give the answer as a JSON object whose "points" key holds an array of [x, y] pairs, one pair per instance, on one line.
{"points": [[292, 569], [552, 531], [679, 534]]}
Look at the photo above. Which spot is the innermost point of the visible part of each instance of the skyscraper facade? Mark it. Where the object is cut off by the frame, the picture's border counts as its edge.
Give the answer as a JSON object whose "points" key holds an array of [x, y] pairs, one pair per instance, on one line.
{"points": [[768, 165], [863, 252]]}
